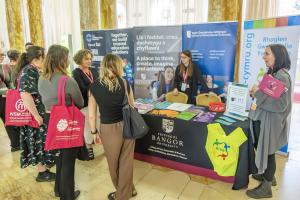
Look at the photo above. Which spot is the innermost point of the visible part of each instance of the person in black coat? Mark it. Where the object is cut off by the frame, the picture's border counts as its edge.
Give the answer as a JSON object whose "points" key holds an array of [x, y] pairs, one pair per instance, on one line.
{"points": [[188, 78], [85, 76]]}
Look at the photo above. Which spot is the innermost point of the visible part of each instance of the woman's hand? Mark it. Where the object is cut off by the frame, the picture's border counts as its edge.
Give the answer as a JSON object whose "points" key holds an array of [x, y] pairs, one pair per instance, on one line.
{"points": [[39, 119], [162, 97], [175, 92], [253, 90], [97, 139]]}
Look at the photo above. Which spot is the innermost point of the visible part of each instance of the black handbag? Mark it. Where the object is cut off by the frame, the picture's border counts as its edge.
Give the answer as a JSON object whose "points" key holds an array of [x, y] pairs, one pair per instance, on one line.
{"points": [[134, 126]]}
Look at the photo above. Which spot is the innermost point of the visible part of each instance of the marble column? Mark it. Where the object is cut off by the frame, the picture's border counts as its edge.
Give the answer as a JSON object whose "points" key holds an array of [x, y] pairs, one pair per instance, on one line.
{"points": [[36, 21], [89, 14], [228, 10], [108, 13], [224, 10], [14, 24]]}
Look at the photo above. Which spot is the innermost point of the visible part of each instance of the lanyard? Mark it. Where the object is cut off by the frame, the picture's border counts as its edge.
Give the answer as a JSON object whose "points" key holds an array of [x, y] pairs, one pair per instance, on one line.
{"points": [[89, 75], [185, 75]]}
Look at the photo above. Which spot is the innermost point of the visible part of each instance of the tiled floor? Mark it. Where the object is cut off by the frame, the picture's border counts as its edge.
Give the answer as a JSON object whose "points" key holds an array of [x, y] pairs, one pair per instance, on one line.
{"points": [[152, 182]]}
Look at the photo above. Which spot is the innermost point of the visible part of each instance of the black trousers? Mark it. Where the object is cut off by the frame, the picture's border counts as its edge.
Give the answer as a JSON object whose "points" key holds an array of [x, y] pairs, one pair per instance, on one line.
{"points": [[271, 167], [65, 170], [13, 132]]}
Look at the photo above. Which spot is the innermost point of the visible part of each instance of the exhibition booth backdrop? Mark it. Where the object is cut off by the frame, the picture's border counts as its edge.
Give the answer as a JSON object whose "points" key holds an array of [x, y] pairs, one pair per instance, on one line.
{"points": [[147, 50], [257, 35]]}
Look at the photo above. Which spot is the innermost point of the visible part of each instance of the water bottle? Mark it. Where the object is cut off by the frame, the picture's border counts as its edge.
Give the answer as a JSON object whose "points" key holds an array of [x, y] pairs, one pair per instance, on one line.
{"points": [[154, 93], [198, 89]]}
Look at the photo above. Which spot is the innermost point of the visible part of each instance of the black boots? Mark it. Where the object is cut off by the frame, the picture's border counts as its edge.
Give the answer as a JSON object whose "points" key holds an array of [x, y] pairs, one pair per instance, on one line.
{"points": [[262, 191], [45, 176], [259, 177]]}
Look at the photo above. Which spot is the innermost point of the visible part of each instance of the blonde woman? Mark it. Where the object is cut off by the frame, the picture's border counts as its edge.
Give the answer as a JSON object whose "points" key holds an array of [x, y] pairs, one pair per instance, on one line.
{"points": [[108, 92]]}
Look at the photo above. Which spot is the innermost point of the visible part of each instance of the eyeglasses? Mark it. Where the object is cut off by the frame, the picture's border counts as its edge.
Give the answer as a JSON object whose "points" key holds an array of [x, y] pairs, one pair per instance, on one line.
{"points": [[266, 54], [183, 57], [2, 54]]}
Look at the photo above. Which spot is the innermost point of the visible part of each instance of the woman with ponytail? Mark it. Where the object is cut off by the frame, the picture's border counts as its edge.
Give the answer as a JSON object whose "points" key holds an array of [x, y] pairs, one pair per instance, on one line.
{"points": [[32, 140]]}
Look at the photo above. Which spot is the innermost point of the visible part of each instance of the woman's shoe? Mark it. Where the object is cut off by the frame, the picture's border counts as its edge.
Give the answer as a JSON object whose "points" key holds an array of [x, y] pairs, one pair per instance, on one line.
{"points": [[91, 154], [134, 192], [112, 195], [76, 194], [259, 177], [45, 176], [262, 191]]}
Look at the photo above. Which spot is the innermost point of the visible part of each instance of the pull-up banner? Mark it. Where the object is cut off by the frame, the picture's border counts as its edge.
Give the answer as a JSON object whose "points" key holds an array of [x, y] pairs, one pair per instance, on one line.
{"points": [[257, 35], [260, 33], [146, 51], [213, 47], [120, 42], [95, 41], [154, 48]]}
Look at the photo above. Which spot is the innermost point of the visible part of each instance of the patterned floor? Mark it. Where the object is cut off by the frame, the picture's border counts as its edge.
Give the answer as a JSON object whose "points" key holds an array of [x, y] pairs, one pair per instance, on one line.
{"points": [[152, 182]]}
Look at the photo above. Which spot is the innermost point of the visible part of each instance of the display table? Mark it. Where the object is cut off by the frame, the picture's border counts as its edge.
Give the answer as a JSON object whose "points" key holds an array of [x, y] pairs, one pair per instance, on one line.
{"points": [[180, 145]]}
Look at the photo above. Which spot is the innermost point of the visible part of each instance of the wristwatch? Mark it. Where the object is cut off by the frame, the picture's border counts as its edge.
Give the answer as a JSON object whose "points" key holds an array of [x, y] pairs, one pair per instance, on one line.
{"points": [[93, 133]]}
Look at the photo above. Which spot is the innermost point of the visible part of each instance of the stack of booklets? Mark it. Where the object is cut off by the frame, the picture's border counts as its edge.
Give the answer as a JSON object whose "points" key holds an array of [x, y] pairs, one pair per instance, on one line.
{"points": [[179, 106], [196, 109], [162, 105], [164, 113], [143, 108], [186, 115], [146, 101], [206, 117]]}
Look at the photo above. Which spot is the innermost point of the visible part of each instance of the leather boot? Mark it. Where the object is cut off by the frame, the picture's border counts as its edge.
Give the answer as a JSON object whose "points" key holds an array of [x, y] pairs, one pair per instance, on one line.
{"points": [[262, 191], [259, 177]]}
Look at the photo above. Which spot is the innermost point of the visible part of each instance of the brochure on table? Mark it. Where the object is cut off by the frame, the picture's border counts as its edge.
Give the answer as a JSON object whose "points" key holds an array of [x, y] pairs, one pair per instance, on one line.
{"points": [[236, 103], [179, 106]]}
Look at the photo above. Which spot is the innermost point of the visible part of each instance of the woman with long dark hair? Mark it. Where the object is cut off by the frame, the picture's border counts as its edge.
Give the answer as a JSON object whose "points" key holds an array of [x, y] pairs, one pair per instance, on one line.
{"points": [[7, 81], [269, 121], [32, 140], [188, 78], [165, 82]]}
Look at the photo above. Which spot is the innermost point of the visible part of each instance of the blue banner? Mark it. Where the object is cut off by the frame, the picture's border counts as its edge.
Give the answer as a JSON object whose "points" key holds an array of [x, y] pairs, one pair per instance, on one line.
{"points": [[120, 42], [213, 47], [95, 41]]}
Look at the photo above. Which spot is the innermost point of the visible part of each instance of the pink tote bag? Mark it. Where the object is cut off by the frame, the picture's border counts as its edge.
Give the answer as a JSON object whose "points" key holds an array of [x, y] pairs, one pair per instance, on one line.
{"points": [[66, 124]]}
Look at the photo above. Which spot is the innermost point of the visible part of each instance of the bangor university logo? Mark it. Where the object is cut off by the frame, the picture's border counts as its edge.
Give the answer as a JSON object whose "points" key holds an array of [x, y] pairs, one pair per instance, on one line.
{"points": [[20, 107], [62, 125], [167, 125]]}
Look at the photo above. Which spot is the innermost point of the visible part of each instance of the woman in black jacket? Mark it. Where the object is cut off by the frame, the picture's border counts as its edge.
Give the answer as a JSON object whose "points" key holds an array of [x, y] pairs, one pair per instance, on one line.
{"points": [[188, 78], [85, 76]]}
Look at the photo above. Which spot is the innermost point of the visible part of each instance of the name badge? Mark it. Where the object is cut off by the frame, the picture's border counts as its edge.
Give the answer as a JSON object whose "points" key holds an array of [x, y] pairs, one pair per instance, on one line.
{"points": [[183, 86], [253, 105]]}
